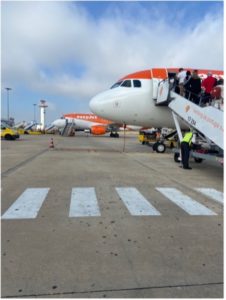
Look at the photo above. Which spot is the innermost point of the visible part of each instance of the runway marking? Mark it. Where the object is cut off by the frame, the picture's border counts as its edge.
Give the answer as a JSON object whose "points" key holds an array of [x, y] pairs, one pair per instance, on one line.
{"points": [[27, 205], [212, 193], [188, 204], [136, 203], [84, 203]]}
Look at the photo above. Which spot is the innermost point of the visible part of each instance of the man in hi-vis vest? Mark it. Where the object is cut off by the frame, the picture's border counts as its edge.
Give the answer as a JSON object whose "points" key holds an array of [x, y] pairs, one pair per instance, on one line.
{"points": [[185, 149]]}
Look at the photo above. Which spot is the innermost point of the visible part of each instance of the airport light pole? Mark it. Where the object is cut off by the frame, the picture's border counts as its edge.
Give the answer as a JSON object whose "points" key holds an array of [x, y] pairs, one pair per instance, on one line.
{"points": [[34, 112], [8, 89]]}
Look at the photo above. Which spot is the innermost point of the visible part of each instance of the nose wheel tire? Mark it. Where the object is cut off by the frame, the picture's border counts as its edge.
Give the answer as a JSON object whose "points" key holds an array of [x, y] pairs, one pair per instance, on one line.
{"points": [[159, 147]]}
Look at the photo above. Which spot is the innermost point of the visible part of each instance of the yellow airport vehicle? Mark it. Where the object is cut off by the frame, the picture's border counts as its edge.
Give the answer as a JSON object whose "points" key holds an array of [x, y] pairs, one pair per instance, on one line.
{"points": [[8, 133], [146, 137], [34, 132], [22, 131], [156, 140]]}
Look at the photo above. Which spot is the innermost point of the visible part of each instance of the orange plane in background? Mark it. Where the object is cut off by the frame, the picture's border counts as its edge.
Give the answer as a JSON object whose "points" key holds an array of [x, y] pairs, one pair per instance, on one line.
{"points": [[91, 122]]}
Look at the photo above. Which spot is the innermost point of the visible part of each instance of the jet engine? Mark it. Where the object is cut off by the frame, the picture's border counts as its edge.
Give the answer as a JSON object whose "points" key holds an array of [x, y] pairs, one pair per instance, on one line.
{"points": [[98, 130]]}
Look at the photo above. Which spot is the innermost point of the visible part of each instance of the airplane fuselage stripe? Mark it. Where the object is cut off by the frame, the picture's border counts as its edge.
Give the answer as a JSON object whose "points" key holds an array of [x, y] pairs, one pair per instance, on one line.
{"points": [[188, 204], [136, 203], [212, 193], [27, 205], [84, 203]]}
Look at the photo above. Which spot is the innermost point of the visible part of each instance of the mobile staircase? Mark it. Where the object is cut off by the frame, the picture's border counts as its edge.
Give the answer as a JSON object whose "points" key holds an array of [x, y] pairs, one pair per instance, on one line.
{"points": [[69, 129], [29, 126], [207, 122]]}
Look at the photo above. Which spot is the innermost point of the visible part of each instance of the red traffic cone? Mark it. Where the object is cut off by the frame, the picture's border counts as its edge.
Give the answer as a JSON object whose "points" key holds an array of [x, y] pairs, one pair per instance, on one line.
{"points": [[51, 144]]}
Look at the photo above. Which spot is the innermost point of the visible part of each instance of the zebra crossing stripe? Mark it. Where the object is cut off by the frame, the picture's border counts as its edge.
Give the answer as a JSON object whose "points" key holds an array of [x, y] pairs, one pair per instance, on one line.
{"points": [[188, 204], [212, 193], [84, 203], [136, 203], [27, 205]]}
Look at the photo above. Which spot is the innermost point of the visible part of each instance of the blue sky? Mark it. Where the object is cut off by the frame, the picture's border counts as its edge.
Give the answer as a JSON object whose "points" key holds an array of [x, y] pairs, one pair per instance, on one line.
{"points": [[66, 52]]}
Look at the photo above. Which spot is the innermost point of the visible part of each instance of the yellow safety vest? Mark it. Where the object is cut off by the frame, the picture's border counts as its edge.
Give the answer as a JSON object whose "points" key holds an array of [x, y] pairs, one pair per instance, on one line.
{"points": [[188, 137]]}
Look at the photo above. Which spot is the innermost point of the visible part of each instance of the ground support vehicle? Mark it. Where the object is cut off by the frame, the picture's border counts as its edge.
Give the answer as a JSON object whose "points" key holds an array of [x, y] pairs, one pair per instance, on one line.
{"points": [[23, 131], [8, 133], [206, 122], [202, 154], [207, 126], [157, 139]]}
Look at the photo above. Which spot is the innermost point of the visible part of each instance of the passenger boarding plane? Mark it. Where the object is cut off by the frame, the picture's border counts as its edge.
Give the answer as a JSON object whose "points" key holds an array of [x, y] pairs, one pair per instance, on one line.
{"points": [[91, 122], [132, 99]]}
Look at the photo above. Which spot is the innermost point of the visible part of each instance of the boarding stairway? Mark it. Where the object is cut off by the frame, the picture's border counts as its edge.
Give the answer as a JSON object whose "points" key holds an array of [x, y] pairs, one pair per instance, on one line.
{"points": [[49, 128], [30, 125], [69, 129], [208, 120], [20, 125]]}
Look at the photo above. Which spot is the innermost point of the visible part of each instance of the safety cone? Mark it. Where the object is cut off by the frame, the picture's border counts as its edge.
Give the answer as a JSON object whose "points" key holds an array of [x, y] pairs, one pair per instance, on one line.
{"points": [[51, 144]]}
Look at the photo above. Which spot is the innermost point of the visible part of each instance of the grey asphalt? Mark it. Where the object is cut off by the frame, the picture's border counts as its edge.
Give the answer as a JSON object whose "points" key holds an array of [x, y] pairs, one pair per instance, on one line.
{"points": [[115, 255]]}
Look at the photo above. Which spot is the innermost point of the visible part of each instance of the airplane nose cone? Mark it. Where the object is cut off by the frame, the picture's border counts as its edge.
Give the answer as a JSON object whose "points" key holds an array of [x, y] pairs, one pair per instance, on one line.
{"points": [[99, 104], [94, 104]]}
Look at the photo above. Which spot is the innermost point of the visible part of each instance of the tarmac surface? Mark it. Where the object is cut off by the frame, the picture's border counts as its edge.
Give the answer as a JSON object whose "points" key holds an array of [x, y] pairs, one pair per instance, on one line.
{"points": [[171, 247]]}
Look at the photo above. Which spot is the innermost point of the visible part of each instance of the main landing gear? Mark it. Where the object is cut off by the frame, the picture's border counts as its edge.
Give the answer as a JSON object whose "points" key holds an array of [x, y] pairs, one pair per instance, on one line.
{"points": [[114, 134]]}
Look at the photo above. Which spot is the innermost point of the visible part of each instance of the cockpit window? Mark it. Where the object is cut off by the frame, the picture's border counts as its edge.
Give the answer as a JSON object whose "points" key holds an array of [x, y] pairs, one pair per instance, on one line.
{"points": [[126, 83], [137, 83], [116, 84]]}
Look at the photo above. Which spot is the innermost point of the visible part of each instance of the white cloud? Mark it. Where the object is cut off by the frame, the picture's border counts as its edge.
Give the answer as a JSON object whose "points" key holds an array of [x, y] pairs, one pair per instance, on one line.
{"points": [[43, 42]]}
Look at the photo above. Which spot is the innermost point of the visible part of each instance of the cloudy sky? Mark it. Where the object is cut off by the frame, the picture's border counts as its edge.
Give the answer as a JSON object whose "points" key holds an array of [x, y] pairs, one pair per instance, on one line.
{"points": [[66, 52]]}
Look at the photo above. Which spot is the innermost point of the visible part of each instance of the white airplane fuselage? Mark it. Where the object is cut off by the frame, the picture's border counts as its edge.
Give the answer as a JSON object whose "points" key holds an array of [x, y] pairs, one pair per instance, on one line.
{"points": [[132, 106], [132, 100], [79, 123]]}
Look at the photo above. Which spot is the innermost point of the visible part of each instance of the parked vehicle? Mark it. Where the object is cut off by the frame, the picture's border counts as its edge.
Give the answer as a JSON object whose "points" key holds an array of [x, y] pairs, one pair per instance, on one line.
{"points": [[8, 133]]}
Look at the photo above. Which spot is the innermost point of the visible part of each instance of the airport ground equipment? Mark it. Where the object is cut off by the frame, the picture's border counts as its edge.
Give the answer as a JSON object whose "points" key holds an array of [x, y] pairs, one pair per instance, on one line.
{"points": [[69, 129], [29, 126], [51, 144], [8, 133], [19, 125], [205, 121], [30, 131], [35, 132], [158, 139], [50, 129]]}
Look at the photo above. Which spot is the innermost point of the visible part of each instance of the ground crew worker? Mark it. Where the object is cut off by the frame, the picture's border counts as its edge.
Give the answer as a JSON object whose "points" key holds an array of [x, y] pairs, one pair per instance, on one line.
{"points": [[185, 149]]}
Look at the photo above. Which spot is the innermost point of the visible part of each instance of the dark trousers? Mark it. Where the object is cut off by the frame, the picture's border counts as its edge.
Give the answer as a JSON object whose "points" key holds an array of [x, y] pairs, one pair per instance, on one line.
{"points": [[185, 150], [206, 98], [194, 98]]}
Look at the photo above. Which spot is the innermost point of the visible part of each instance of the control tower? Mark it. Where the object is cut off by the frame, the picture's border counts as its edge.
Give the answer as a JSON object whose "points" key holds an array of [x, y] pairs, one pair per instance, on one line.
{"points": [[42, 106]]}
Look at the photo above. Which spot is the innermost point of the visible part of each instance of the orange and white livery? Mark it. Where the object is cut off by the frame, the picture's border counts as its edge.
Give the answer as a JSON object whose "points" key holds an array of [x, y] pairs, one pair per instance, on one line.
{"points": [[95, 124], [132, 99]]}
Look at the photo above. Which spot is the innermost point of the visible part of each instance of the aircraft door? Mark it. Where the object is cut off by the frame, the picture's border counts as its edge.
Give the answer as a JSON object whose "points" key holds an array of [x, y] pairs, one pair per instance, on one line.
{"points": [[163, 92], [158, 76]]}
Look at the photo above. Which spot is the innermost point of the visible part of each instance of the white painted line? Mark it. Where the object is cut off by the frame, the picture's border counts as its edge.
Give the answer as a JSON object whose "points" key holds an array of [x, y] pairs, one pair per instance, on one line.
{"points": [[27, 205], [136, 203], [188, 204], [84, 203], [212, 193]]}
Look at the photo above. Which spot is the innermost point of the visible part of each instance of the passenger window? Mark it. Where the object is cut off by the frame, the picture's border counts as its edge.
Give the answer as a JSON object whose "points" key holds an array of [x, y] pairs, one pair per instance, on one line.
{"points": [[126, 83], [137, 83]]}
